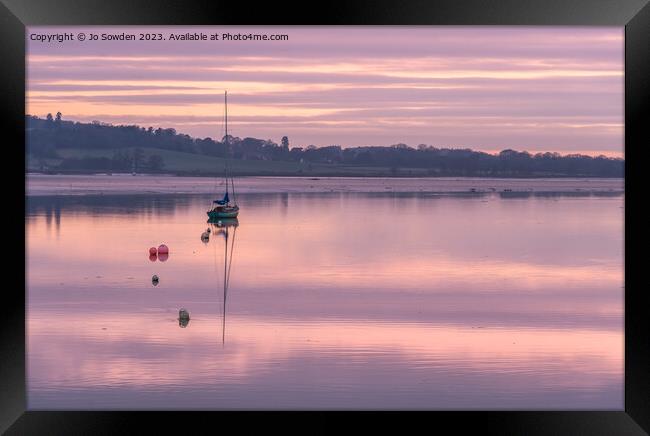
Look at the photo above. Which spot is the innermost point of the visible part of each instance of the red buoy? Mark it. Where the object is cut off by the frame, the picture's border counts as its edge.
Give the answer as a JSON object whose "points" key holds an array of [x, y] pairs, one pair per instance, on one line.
{"points": [[162, 249], [153, 251]]}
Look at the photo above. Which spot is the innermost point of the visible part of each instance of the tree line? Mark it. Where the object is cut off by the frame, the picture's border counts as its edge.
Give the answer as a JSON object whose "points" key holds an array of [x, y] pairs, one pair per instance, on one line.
{"points": [[46, 136]]}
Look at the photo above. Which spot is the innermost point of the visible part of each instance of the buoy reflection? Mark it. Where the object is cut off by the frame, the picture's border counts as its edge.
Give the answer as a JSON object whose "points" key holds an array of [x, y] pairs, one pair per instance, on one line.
{"points": [[183, 318]]}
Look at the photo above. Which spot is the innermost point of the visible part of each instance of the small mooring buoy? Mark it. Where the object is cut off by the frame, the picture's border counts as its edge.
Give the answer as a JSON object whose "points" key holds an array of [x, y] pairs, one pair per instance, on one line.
{"points": [[205, 236], [154, 280], [208, 230]]}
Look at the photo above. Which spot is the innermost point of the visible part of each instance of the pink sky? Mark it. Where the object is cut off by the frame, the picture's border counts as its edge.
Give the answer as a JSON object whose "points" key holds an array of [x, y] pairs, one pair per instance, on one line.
{"points": [[486, 88]]}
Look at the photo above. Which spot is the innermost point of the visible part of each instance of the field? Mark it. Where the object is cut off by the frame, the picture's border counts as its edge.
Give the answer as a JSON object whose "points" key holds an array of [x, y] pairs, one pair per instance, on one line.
{"points": [[201, 165]]}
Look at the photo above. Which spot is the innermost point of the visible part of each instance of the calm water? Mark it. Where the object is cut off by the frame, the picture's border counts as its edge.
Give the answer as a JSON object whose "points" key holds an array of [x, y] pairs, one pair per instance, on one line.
{"points": [[334, 301]]}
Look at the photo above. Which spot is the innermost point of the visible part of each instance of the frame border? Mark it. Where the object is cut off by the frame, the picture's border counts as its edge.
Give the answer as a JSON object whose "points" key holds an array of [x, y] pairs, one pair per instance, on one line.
{"points": [[633, 14]]}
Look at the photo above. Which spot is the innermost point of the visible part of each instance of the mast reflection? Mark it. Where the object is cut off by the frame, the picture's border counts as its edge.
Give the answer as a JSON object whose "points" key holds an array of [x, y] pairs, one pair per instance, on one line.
{"points": [[225, 228]]}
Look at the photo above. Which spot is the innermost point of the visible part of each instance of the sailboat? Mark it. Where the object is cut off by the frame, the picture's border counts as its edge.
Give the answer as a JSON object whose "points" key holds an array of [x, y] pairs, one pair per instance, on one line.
{"points": [[225, 208]]}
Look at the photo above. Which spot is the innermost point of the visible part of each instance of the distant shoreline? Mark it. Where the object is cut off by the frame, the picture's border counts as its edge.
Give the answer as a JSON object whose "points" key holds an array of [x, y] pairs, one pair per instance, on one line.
{"points": [[318, 175], [127, 184]]}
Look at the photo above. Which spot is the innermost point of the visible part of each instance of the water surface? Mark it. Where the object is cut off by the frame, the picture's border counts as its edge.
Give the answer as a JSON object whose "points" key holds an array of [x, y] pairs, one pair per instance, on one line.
{"points": [[497, 300]]}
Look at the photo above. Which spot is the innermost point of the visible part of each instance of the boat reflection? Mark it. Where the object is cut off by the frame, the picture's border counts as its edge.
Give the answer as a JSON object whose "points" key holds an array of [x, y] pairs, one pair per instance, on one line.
{"points": [[225, 227], [223, 223]]}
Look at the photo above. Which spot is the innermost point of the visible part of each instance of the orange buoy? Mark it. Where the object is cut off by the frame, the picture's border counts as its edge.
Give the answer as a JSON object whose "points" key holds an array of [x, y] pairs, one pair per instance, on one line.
{"points": [[153, 257], [153, 251], [162, 249]]}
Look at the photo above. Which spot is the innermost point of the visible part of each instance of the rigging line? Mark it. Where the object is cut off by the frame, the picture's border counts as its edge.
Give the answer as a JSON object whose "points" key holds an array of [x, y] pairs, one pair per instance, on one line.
{"points": [[220, 133], [230, 173], [234, 196], [224, 142], [225, 163], [232, 248]]}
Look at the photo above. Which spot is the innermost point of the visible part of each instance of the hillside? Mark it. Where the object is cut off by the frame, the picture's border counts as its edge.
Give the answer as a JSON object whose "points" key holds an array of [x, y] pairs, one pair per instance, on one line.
{"points": [[58, 146]]}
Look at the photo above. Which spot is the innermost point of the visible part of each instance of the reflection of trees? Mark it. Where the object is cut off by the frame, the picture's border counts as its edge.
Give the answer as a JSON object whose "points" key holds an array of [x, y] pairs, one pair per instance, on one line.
{"points": [[50, 210], [53, 208]]}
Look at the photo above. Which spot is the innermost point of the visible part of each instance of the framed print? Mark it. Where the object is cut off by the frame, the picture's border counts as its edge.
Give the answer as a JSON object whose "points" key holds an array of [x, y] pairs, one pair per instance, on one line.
{"points": [[377, 208]]}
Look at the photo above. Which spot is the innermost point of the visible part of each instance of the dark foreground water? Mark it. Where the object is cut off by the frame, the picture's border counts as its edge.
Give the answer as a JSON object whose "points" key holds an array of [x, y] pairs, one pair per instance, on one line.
{"points": [[335, 301]]}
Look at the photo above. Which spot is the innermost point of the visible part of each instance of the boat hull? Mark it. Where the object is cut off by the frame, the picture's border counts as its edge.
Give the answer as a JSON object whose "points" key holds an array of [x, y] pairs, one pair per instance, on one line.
{"points": [[214, 214]]}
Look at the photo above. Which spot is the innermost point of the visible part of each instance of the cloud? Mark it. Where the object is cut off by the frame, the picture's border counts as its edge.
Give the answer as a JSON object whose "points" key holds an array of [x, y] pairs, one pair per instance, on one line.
{"points": [[556, 88]]}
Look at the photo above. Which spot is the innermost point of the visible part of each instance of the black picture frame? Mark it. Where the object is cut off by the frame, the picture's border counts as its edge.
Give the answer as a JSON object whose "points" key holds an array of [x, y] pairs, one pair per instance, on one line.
{"points": [[633, 14]]}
